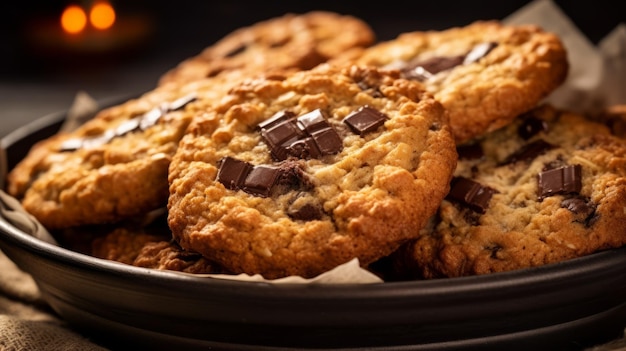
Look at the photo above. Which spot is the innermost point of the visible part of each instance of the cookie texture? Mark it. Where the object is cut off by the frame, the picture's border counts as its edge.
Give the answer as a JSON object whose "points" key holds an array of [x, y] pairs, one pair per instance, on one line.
{"points": [[485, 73], [115, 165], [296, 176], [141, 247], [289, 42], [547, 188]]}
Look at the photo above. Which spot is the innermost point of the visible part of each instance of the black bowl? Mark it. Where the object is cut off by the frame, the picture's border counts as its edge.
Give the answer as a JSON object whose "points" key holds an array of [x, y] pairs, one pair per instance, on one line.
{"points": [[566, 306]]}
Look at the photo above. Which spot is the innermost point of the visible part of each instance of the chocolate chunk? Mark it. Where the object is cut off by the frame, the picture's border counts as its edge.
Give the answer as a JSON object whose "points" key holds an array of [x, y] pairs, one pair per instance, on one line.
{"points": [[364, 120], [308, 136], [281, 133], [471, 194], [432, 66], [71, 145], [328, 141], [181, 102], [142, 122], [304, 149], [472, 151], [232, 172], [582, 207], [260, 180], [277, 118], [151, 117], [312, 121], [531, 126], [127, 127], [562, 180], [577, 205], [293, 176], [479, 51], [528, 152], [307, 212]]}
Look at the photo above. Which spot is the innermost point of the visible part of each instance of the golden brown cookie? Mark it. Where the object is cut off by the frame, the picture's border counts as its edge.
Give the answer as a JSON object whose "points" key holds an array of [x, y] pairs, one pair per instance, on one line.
{"points": [[150, 247], [291, 41], [296, 176], [547, 188], [114, 166], [485, 73]]}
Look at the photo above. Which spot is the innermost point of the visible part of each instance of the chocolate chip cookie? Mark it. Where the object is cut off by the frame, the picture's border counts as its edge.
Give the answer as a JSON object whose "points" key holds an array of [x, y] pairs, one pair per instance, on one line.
{"points": [[296, 176], [150, 246], [547, 188], [485, 73], [115, 165], [292, 41]]}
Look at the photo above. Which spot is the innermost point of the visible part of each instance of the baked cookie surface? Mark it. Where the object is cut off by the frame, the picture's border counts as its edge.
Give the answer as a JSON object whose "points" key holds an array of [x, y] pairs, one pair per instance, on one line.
{"points": [[485, 73], [547, 188], [292, 41], [149, 246], [296, 176], [115, 165]]}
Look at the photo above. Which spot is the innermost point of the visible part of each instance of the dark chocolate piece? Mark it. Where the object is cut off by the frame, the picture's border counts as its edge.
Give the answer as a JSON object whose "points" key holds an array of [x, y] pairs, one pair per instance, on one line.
{"points": [[582, 207], [304, 149], [472, 151], [577, 205], [432, 65], [327, 141], [528, 152], [178, 104], [365, 120], [307, 212], [531, 126], [71, 145], [308, 136], [277, 118], [151, 118], [280, 134], [312, 121], [562, 180], [260, 180], [479, 51], [232, 172], [142, 122], [471, 194]]}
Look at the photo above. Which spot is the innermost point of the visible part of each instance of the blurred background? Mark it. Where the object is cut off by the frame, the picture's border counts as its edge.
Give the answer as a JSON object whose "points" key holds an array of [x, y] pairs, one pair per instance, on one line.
{"points": [[41, 70]]}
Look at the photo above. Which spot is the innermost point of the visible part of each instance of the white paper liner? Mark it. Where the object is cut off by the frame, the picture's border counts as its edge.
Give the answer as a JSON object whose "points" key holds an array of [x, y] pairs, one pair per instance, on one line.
{"points": [[596, 79]]}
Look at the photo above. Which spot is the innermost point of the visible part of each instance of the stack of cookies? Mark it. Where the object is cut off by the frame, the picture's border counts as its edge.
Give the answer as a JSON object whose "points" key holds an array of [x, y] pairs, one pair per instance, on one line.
{"points": [[300, 143]]}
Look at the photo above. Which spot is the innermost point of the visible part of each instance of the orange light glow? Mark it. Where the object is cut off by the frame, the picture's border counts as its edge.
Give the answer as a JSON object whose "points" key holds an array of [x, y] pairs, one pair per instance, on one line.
{"points": [[73, 19], [102, 15]]}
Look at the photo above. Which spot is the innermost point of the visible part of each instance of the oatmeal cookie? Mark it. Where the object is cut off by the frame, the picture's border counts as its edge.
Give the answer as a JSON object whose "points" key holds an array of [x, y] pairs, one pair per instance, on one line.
{"points": [[149, 248], [485, 73], [115, 165], [296, 176], [292, 41], [547, 188]]}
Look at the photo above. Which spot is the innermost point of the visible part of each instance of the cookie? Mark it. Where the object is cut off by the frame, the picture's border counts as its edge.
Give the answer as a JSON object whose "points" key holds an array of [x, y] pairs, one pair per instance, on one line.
{"points": [[485, 73], [142, 247], [291, 41], [296, 176], [114, 166], [548, 188]]}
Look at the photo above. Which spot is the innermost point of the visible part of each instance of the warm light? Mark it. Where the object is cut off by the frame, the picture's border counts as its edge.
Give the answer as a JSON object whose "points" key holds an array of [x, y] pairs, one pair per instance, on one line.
{"points": [[102, 15], [73, 19]]}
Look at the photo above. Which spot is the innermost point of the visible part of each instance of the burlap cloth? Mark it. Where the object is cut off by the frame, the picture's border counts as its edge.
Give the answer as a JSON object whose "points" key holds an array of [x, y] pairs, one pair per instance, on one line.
{"points": [[27, 323]]}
